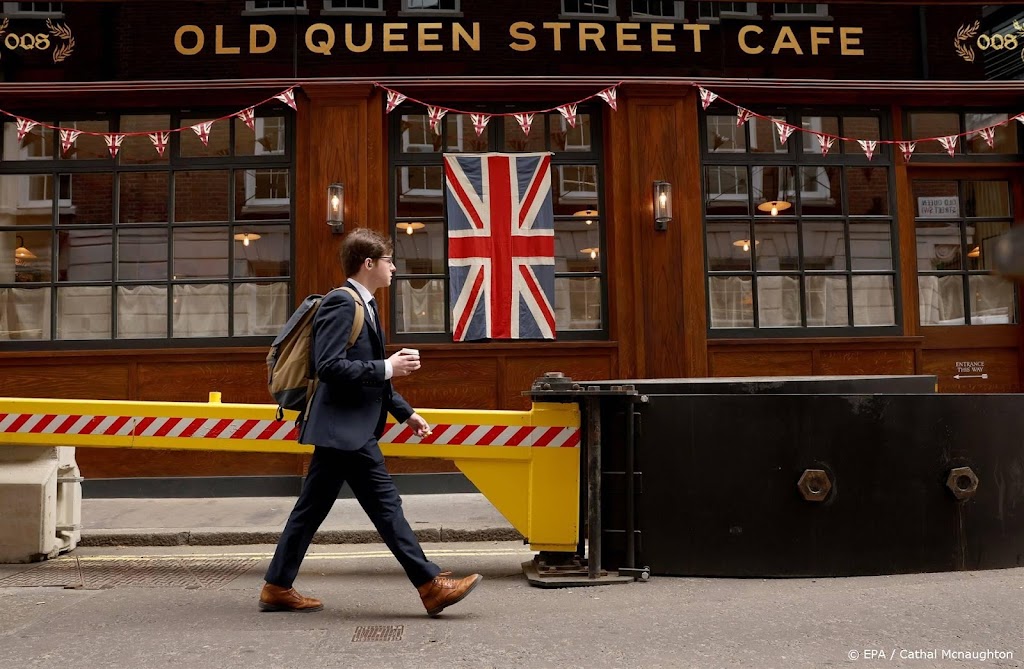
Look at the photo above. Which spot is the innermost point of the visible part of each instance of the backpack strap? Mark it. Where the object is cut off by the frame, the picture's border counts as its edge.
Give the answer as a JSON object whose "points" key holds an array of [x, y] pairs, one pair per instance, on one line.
{"points": [[357, 327]]}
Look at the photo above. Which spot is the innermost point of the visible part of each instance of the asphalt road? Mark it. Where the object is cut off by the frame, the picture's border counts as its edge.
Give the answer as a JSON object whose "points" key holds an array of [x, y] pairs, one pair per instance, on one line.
{"points": [[195, 607]]}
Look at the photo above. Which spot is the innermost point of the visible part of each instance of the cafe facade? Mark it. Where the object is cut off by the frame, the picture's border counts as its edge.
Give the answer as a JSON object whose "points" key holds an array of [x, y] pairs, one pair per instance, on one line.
{"points": [[738, 189]]}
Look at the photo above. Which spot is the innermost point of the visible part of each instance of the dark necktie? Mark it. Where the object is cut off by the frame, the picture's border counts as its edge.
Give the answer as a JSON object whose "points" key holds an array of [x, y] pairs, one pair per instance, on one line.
{"points": [[376, 318]]}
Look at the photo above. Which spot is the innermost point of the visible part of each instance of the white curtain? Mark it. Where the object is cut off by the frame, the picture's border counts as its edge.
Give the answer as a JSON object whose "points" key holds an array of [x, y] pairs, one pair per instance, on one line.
{"points": [[260, 309], [24, 313]]}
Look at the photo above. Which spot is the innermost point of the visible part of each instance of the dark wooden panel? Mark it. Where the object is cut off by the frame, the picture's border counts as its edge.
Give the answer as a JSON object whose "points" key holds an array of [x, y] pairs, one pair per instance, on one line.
{"points": [[864, 362], [240, 381], [690, 218], [1000, 365], [120, 462], [760, 363], [74, 381]]}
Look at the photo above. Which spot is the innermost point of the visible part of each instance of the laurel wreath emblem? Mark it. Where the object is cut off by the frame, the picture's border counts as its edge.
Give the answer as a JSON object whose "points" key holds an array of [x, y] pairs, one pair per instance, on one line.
{"points": [[63, 32], [962, 35]]}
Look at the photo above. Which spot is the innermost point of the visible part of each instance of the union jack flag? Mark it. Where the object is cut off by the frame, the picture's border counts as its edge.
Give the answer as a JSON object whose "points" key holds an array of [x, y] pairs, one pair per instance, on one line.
{"points": [[501, 245]]}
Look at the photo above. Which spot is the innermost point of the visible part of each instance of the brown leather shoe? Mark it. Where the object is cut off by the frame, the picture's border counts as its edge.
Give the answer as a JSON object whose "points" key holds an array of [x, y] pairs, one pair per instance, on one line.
{"points": [[276, 598], [444, 591]]}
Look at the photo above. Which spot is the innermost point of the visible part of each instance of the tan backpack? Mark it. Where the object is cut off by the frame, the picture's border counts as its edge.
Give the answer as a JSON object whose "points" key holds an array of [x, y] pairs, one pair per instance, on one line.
{"points": [[290, 374]]}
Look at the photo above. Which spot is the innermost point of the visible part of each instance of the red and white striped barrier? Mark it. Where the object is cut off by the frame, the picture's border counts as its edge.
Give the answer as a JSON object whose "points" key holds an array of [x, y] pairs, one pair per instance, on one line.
{"points": [[486, 435]]}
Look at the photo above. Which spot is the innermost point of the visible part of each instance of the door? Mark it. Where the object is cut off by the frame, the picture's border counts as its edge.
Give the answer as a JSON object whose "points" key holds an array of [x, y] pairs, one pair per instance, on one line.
{"points": [[968, 315]]}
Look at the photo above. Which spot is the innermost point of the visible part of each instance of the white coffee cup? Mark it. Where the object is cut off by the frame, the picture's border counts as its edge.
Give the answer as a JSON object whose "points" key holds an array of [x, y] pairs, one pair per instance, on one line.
{"points": [[410, 351]]}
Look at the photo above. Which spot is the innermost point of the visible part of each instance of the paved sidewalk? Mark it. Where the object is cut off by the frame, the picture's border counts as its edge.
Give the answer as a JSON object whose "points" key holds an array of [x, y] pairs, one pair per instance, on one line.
{"points": [[224, 521]]}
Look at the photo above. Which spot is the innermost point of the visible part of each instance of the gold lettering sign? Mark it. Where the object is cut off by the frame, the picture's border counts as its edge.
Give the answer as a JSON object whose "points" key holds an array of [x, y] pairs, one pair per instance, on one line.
{"points": [[63, 41], [579, 36]]}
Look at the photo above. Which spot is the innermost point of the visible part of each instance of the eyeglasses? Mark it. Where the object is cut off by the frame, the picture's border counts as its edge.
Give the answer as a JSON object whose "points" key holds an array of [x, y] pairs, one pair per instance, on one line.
{"points": [[389, 259]]}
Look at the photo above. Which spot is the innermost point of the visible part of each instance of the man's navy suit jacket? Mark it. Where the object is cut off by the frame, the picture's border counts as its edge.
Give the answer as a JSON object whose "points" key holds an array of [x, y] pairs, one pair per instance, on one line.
{"points": [[352, 400]]}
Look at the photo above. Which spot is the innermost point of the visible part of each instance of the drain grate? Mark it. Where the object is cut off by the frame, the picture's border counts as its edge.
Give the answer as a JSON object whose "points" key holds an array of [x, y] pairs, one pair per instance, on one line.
{"points": [[120, 572], [378, 633]]}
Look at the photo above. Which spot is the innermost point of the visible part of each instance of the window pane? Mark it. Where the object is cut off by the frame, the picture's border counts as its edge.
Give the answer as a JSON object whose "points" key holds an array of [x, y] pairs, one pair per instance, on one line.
{"points": [[417, 137], [419, 305], [774, 190], [868, 190], [515, 140], [37, 144], [87, 147], [27, 313], [201, 196], [577, 247], [83, 312], [824, 245], [84, 255], [873, 302], [262, 194], [201, 310], [763, 136], [192, 146], [26, 199], [993, 300], [200, 253], [139, 149], [828, 125], [269, 138], [724, 136], [578, 303], [938, 247], [776, 246], [731, 301], [1004, 139], [142, 197], [871, 245], [421, 252], [566, 138], [986, 198], [821, 191], [86, 199], [941, 299], [778, 301], [420, 191], [928, 124], [261, 309], [725, 188], [937, 199], [575, 188], [462, 137], [262, 251], [142, 256], [981, 242], [27, 256], [861, 127], [141, 311], [729, 246], [826, 301]]}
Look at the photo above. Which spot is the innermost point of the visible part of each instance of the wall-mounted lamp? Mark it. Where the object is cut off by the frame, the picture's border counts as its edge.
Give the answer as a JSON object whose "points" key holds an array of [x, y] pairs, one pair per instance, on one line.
{"points": [[246, 237], [588, 214], [21, 254], [662, 205], [410, 227], [336, 208], [592, 252]]}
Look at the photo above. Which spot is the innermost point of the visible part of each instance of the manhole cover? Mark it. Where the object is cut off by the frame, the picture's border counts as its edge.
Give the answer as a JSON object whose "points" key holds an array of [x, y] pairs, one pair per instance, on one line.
{"points": [[378, 633], [117, 572]]}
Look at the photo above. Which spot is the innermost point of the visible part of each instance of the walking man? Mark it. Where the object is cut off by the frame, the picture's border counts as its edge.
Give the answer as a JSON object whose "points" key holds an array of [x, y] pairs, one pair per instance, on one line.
{"points": [[346, 418]]}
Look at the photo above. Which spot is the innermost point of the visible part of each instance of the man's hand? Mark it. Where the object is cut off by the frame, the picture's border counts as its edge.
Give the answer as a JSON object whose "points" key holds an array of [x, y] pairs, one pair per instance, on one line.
{"points": [[404, 364], [419, 426]]}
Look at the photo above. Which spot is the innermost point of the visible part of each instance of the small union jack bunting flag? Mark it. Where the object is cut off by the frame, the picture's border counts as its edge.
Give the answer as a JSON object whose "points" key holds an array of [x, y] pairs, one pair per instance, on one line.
{"points": [[25, 126], [480, 122], [868, 146], [989, 135], [569, 112], [907, 149], [434, 116], [784, 130], [203, 131], [394, 99], [288, 97], [525, 122], [826, 142], [742, 115], [949, 144], [67, 138], [249, 117], [159, 140], [609, 96], [707, 97], [113, 143]]}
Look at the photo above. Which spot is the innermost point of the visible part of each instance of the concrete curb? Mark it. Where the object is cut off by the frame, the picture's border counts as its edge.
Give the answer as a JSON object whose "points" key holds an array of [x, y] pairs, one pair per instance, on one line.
{"points": [[219, 537]]}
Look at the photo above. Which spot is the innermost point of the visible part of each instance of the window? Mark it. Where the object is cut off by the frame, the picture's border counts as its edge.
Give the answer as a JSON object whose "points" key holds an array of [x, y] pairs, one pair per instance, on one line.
{"points": [[353, 6], [433, 6], [958, 224], [35, 10], [662, 9], [797, 242], [420, 292], [275, 6], [1005, 139], [194, 244], [799, 10], [726, 10], [588, 7]]}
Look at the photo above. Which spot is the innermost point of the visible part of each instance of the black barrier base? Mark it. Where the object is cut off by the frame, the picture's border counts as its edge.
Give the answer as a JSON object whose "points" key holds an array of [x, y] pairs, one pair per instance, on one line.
{"points": [[540, 578], [730, 481]]}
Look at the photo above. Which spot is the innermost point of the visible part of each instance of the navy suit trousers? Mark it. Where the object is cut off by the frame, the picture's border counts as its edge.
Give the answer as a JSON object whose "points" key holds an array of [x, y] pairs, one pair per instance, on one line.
{"points": [[364, 470]]}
